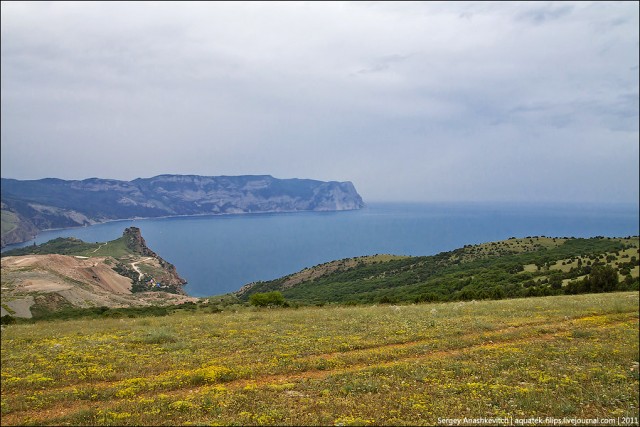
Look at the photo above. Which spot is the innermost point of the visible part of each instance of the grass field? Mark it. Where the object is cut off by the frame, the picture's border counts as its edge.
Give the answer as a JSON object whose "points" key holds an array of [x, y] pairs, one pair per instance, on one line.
{"points": [[561, 356]]}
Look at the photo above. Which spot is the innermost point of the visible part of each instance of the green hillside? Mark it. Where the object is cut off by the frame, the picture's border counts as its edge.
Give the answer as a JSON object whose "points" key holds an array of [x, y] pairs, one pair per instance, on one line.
{"points": [[71, 246], [9, 221], [531, 266]]}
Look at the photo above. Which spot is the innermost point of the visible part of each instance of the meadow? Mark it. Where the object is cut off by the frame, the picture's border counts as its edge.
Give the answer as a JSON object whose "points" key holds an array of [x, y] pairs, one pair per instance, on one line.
{"points": [[560, 356]]}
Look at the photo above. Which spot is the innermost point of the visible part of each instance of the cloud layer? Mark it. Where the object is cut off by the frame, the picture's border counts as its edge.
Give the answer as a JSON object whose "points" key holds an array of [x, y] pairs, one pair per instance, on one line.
{"points": [[410, 101]]}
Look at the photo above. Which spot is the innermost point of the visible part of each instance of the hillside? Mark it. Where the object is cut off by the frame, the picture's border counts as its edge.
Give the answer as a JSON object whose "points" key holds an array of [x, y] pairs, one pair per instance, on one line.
{"points": [[69, 273], [15, 228], [531, 266], [29, 206], [566, 356]]}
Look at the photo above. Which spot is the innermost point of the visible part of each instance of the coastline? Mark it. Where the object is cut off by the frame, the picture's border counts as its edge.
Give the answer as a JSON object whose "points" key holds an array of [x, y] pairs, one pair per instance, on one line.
{"points": [[15, 245], [219, 253]]}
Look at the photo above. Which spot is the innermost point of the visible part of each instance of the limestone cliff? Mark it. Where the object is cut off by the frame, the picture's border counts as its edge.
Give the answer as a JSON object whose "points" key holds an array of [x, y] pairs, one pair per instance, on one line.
{"points": [[167, 274], [55, 203]]}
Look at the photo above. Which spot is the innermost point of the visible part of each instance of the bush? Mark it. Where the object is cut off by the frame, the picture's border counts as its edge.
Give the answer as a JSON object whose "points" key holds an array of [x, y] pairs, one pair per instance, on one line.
{"points": [[159, 336], [7, 320], [267, 299]]}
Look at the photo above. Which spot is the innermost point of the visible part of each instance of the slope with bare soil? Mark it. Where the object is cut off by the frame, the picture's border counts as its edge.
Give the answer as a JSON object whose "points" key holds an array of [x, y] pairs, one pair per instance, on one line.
{"points": [[61, 280], [120, 273]]}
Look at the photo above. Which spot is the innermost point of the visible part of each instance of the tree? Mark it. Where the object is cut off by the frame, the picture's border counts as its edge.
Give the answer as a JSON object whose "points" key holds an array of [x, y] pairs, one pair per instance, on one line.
{"points": [[603, 279], [497, 292], [556, 281]]}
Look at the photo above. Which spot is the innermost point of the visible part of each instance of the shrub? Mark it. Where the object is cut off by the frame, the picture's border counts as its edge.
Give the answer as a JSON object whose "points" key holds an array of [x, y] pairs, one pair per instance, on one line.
{"points": [[159, 336], [267, 299], [7, 319]]}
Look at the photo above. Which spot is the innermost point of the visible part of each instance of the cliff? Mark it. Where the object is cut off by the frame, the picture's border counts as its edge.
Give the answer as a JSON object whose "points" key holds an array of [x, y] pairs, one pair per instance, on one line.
{"points": [[167, 275], [55, 203]]}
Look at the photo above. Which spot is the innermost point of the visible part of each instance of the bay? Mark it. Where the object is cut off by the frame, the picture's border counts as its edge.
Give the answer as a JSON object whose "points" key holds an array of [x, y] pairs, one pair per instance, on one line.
{"points": [[219, 254]]}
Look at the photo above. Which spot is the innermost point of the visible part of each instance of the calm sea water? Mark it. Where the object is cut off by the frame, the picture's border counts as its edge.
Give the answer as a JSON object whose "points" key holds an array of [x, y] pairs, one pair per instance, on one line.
{"points": [[219, 254]]}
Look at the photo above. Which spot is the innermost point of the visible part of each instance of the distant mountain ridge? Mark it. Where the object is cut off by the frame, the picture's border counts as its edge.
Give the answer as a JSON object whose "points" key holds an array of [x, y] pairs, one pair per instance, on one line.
{"points": [[34, 205]]}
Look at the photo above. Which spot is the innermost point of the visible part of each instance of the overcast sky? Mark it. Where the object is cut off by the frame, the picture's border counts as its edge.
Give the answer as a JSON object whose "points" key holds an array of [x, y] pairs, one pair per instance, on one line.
{"points": [[409, 101]]}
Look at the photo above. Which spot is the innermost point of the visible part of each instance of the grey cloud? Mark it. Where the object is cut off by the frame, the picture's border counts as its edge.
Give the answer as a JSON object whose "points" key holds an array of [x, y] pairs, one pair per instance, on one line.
{"points": [[618, 113], [384, 63], [396, 97], [547, 12]]}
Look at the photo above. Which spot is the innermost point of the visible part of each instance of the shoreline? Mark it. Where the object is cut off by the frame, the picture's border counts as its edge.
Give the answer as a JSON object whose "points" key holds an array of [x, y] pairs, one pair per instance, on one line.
{"points": [[13, 245]]}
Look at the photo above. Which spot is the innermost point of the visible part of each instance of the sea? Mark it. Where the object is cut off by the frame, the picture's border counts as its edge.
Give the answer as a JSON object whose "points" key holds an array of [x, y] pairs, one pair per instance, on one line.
{"points": [[218, 254]]}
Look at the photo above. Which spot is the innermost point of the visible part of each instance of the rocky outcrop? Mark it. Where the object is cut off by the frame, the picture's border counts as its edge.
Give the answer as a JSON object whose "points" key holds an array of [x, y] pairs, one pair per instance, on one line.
{"points": [[136, 243], [55, 203], [167, 275]]}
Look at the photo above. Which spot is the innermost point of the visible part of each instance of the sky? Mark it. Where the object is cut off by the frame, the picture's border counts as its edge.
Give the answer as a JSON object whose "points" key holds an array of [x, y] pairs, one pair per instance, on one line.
{"points": [[415, 101]]}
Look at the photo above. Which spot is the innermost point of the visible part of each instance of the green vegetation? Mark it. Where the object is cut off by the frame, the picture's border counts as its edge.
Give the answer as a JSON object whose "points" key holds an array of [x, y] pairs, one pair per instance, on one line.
{"points": [[267, 299], [8, 221], [564, 356], [226, 360], [532, 266], [7, 319], [72, 246], [69, 312]]}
